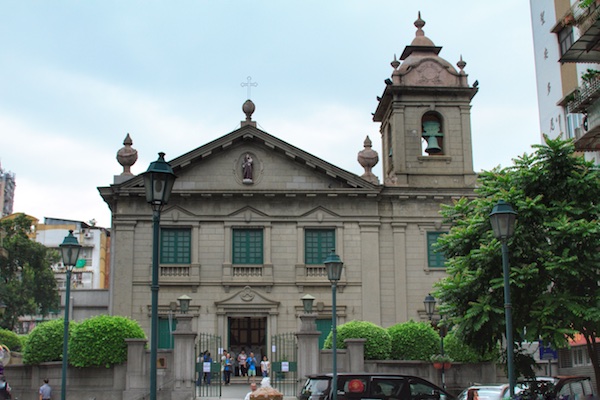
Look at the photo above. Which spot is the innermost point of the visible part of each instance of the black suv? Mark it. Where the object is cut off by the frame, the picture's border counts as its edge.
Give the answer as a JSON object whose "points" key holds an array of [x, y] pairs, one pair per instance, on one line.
{"points": [[352, 386]]}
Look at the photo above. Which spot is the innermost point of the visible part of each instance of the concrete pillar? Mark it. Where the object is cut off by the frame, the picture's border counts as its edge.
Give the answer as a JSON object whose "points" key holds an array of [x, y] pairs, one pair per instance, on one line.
{"points": [[308, 346], [137, 375], [184, 359], [356, 355]]}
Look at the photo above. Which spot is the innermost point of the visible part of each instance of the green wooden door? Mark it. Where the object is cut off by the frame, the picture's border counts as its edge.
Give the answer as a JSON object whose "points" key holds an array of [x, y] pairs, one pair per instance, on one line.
{"points": [[324, 326], [165, 327]]}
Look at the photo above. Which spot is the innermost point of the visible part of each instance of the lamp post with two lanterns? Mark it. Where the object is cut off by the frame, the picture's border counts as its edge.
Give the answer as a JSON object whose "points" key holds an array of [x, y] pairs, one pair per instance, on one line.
{"points": [[158, 182], [503, 219], [334, 267], [70, 249]]}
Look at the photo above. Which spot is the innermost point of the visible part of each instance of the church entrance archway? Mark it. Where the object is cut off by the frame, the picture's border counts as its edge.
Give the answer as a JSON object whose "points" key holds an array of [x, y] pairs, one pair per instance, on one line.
{"points": [[246, 320], [248, 334]]}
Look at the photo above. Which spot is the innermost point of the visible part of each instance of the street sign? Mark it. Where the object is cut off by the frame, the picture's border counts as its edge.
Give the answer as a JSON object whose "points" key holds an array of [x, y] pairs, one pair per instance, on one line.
{"points": [[547, 352]]}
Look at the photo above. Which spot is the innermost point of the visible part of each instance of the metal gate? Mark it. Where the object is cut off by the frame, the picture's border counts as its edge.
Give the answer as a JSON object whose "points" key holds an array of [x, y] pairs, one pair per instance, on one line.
{"points": [[284, 363], [208, 365]]}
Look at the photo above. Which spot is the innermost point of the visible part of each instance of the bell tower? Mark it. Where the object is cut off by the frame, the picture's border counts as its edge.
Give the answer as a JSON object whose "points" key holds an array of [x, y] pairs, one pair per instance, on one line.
{"points": [[425, 115]]}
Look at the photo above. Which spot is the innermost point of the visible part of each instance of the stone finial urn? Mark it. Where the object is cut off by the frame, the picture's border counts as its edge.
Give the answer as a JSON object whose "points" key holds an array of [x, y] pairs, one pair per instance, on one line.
{"points": [[368, 158], [127, 156]]}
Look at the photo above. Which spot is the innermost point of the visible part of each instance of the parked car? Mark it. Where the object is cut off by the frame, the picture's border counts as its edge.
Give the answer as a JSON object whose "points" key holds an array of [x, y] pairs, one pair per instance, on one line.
{"points": [[558, 387], [488, 392], [351, 386]]}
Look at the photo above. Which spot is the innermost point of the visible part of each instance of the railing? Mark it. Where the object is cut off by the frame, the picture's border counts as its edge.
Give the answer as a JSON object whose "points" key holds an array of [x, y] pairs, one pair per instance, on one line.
{"points": [[247, 271], [585, 95], [585, 17], [316, 271], [171, 270]]}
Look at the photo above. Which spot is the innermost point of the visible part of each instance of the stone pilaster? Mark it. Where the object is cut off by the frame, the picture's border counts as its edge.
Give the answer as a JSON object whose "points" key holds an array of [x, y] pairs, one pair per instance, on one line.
{"points": [[308, 346], [356, 355], [137, 375], [183, 359]]}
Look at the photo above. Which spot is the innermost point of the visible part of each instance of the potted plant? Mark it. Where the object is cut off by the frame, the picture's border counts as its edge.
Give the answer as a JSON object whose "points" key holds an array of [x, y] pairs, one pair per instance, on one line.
{"points": [[441, 361], [569, 19]]}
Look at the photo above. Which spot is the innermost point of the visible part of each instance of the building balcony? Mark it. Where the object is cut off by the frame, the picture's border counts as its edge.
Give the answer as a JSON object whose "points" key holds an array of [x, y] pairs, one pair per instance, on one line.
{"points": [[586, 100], [586, 49]]}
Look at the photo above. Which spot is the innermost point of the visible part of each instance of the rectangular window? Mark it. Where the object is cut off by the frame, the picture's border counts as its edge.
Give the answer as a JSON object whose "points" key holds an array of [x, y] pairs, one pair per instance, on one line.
{"points": [[435, 259], [175, 246], [318, 243], [247, 246], [565, 39]]}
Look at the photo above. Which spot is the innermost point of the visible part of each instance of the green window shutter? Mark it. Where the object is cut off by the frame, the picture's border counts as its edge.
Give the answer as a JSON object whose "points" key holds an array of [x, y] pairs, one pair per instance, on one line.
{"points": [[165, 327], [247, 246], [435, 259], [175, 246], [318, 243]]}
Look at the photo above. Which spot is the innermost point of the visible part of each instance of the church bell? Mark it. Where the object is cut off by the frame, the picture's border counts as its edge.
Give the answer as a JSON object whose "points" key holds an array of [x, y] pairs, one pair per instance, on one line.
{"points": [[431, 131]]}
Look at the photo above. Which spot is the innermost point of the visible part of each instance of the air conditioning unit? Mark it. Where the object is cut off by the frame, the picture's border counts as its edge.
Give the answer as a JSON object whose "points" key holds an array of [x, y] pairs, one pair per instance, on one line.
{"points": [[88, 235]]}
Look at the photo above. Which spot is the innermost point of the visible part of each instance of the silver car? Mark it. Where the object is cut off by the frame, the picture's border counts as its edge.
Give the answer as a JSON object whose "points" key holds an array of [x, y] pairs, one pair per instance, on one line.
{"points": [[487, 392]]}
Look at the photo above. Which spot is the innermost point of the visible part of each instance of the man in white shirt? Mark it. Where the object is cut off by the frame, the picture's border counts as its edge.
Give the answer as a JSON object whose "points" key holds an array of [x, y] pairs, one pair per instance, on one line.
{"points": [[252, 389]]}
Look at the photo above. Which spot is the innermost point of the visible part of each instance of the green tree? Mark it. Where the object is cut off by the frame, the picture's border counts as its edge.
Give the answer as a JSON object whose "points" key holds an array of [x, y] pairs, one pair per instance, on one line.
{"points": [[554, 257], [462, 352], [27, 284]]}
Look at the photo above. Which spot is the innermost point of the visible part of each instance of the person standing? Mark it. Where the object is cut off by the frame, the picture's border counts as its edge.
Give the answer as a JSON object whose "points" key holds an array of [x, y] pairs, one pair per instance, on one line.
{"points": [[265, 366], [4, 389], [45, 391], [228, 368], [251, 362], [206, 359], [223, 358], [242, 363]]}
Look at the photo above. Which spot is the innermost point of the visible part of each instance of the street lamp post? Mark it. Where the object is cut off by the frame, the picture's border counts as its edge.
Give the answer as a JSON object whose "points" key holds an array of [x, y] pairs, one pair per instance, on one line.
{"points": [[503, 219], [158, 182], [429, 303], [334, 273], [70, 249]]}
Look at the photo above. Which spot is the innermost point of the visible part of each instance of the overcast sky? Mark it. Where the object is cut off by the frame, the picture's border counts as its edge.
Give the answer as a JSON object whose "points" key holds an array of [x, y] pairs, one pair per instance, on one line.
{"points": [[77, 76]]}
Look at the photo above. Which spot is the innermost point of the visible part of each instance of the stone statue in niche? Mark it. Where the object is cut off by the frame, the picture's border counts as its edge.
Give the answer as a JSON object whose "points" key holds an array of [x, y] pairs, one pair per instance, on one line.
{"points": [[247, 169]]}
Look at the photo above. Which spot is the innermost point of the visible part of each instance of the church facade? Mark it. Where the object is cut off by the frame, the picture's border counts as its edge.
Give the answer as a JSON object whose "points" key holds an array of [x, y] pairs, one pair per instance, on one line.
{"points": [[251, 218]]}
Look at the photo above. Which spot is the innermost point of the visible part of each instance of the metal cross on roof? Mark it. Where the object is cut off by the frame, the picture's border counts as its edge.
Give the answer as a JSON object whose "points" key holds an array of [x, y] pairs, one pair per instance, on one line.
{"points": [[249, 84]]}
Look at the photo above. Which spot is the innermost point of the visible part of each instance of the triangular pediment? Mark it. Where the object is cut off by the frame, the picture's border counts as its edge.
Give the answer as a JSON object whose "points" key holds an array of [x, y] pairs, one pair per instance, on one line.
{"points": [[216, 167], [174, 213], [320, 214], [247, 213], [247, 298]]}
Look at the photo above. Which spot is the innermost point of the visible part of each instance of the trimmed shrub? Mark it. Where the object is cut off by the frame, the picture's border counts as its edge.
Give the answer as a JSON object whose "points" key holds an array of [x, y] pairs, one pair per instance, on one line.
{"points": [[45, 342], [377, 346], [100, 341], [413, 341], [10, 340], [462, 352]]}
